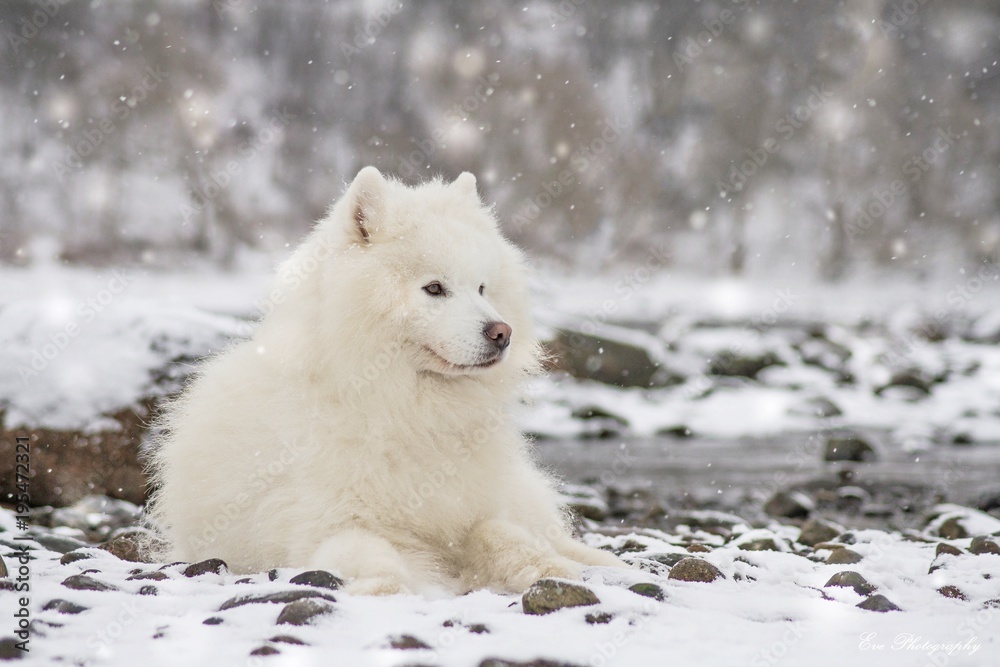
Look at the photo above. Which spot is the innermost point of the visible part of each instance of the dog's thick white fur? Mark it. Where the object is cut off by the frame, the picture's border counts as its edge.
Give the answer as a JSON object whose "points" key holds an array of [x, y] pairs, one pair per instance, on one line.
{"points": [[366, 427]]}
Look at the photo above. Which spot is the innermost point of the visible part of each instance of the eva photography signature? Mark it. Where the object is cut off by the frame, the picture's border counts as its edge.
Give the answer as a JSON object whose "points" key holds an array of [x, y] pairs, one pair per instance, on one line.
{"points": [[906, 641]]}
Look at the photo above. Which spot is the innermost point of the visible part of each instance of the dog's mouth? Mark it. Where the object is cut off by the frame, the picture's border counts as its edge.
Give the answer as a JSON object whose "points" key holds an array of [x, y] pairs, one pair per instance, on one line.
{"points": [[451, 367]]}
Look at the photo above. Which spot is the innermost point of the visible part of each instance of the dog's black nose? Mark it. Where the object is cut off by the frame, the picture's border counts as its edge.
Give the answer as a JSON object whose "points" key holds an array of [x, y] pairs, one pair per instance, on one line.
{"points": [[498, 333]]}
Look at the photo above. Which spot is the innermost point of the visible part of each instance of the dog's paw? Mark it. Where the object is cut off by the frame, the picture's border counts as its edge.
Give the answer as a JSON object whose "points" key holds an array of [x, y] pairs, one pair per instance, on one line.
{"points": [[556, 567], [376, 586]]}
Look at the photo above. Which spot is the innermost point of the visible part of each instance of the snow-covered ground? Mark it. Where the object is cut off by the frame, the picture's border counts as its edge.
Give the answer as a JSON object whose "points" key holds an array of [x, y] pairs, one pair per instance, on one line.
{"points": [[79, 344]]}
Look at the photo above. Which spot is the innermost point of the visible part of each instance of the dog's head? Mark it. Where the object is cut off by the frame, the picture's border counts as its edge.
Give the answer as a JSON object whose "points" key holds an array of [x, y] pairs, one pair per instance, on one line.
{"points": [[427, 272]]}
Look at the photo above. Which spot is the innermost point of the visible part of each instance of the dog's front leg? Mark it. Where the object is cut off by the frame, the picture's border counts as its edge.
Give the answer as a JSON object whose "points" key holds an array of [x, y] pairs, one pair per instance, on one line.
{"points": [[503, 556], [371, 564]]}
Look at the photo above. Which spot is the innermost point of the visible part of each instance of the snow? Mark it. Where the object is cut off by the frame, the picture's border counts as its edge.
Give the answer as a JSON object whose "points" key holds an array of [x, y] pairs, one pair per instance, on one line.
{"points": [[769, 610]]}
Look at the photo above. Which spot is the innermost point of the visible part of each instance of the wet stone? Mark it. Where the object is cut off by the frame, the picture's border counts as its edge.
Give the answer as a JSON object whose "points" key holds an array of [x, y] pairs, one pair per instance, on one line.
{"points": [[851, 579], [844, 557], [648, 590], [74, 556], [82, 582], [64, 606], [264, 651], [212, 620], [695, 569], [548, 595], [156, 575], [210, 566], [789, 505], [878, 602], [599, 618], [303, 612], [58, 543], [952, 529], [319, 579], [943, 548], [281, 597], [984, 544], [848, 447], [762, 544], [287, 639], [952, 592], [407, 642], [816, 531]]}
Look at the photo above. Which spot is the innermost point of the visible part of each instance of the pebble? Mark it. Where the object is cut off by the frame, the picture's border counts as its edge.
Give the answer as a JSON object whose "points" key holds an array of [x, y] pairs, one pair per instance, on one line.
{"points": [[212, 620], [125, 547], [649, 590], [695, 569], [303, 612], [74, 556], [156, 575], [984, 544], [817, 531], [407, 642], [287, 639], [878, 602], [64, 606], [264, 650], [58, 543], [548, 595], [319, 579], [81, 582], [9, 649], [848, 447], [789, 505], [212, 565], [149, 589], [952, 592], [844, 556], [599, 618], [851, 579], [283, 597]]}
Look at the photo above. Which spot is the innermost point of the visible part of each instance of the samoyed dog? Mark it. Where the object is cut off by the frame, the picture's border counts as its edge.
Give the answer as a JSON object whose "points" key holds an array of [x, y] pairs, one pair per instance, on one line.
{"points": [[366, 427]]}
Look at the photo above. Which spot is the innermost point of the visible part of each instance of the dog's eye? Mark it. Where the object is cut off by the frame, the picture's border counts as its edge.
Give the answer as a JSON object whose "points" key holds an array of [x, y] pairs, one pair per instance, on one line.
{"points": [[434, 289], [482, 288]]}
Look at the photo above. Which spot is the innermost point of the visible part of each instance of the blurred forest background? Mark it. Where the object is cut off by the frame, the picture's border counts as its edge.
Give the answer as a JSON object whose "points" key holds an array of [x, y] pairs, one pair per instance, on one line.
{"points": [[818, 137]]}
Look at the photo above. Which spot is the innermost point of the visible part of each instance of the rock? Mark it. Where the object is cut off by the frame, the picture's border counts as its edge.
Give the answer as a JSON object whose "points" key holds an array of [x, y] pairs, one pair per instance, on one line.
{"points": [[478, 629], [914, 378], [64, 606], [287, 639], [698, 548], [678, 431], [851, 499], [538, 662], [820, 407], [598, 618], [127, 546], [735, 364], [156, 575], [613, 355], [303, 612], [649, 590], [844, 556], [947, 549], [789, 505], [210, 566], [213, 620], [762, 544], [281, 597], [952, 592], [695, 569], [264, 650], [319, 579], [984, 544], [668, 559], [149, 589], [816, 531], [548, 595], [9, 649], [272, 575], [851, 579], [81, 582], [585, 501], [952, 529], [58, 543], [407, 642], [848, 447], [74, 556], [877, 602]]}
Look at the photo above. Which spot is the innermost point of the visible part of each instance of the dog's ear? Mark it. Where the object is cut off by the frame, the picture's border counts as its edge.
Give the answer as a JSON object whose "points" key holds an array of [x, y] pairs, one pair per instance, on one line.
{"points": [[466, 184], [366, 201]]}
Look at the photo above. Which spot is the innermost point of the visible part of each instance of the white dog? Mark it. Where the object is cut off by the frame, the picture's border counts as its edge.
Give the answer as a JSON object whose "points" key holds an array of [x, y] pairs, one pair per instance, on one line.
{"points": [[366, 427]]}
